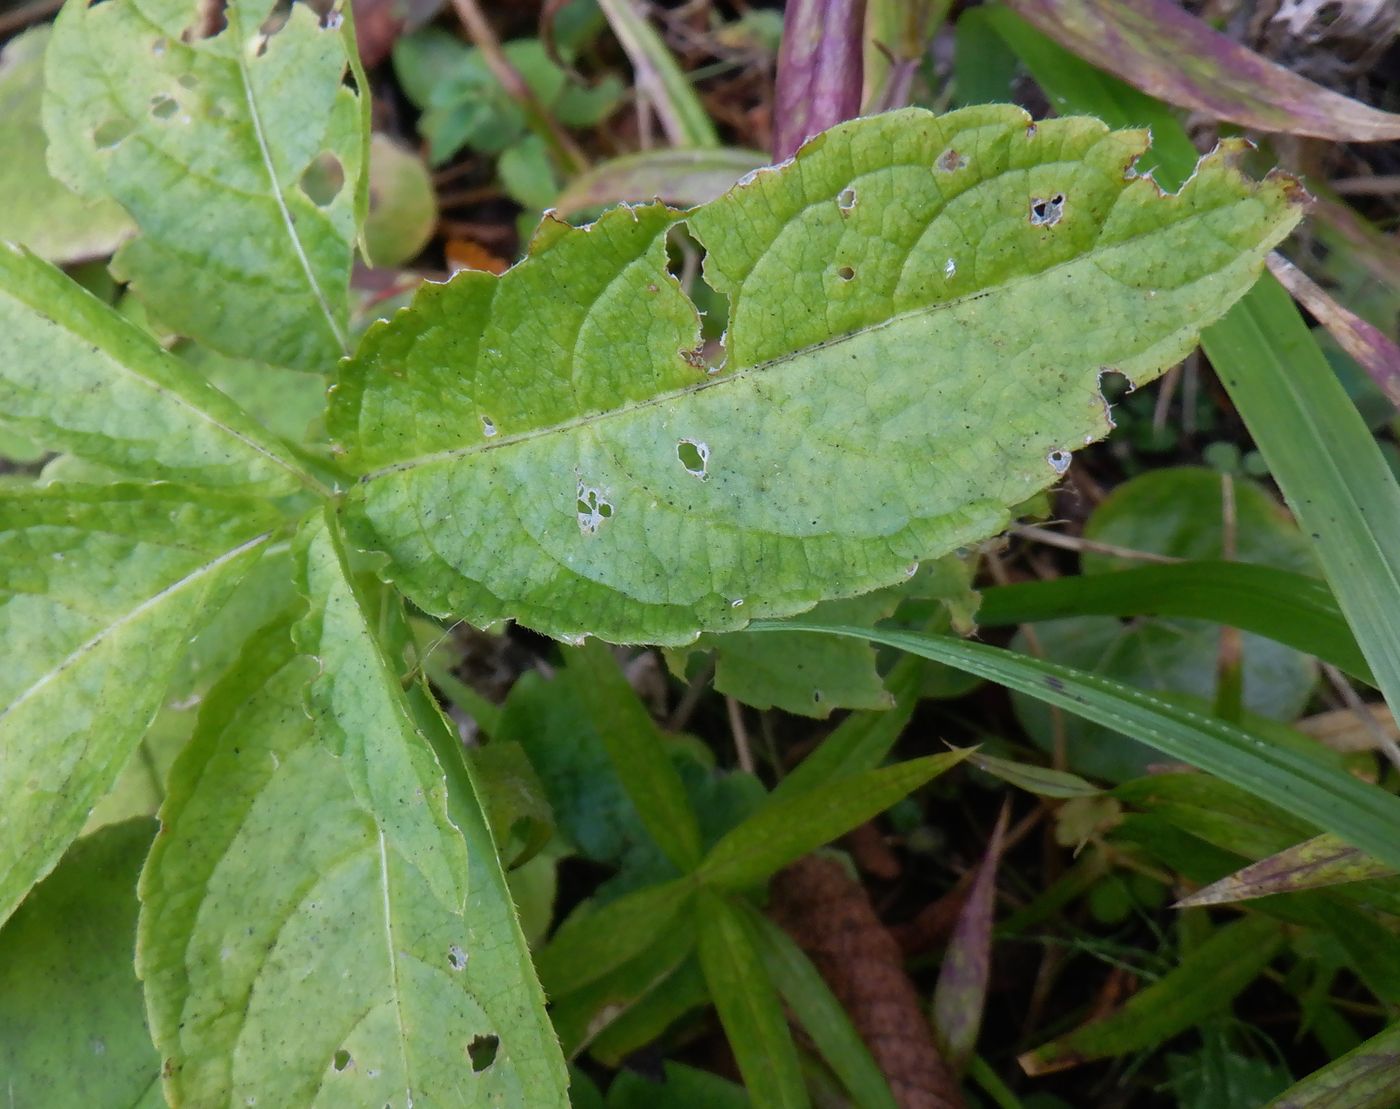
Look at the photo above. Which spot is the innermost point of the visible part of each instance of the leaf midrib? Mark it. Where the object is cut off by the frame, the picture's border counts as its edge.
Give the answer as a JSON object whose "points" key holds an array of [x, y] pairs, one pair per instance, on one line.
{"points": [[130, 616], [589, 418], [255, 118]]}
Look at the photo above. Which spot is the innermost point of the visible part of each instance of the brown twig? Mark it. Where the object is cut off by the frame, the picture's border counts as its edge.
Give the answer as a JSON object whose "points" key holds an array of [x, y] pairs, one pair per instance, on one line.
{"points": [[1079, 543], [22, 17]]}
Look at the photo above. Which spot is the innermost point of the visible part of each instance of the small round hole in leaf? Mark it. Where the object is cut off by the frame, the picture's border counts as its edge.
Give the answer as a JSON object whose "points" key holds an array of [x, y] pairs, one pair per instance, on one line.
{"points": [[323, 179], [482, 1052]]}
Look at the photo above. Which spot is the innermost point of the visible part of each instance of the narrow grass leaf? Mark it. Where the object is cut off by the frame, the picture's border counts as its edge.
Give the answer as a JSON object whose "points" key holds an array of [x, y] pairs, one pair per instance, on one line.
{"points": [[1286, 607], [638, 753], [659, 77], [1043, 781], [748, 1005], [1203, 983], [861, 741], [595, 942], [1362, 814], [786, 829], [1321, 861], [808, 996], [1364, 1078], [1176, 56]]}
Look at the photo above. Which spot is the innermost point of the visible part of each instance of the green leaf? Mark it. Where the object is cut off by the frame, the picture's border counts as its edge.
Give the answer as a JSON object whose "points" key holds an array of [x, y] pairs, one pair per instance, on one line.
{"points": [[1363, 1078], [76, 376], [637, 754], [786, 829], [240, 156], [861, 741], [810, 999], [310, 866], [596, 941], [809, 675], [70, 1004], [671, 1000], [560, 479], [585, 1014], [100, 590], [1362, 814], [748, 1005], [517, 811], [402, 205], [1204, 982], [682, 1088], [1283, 606], [40, 212], [1179, 511], [814, 675]]}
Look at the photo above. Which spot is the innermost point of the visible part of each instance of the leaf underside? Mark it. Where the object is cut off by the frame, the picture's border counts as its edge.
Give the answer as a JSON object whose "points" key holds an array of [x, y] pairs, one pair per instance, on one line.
{"points": [[921, 310], [239, 155]]}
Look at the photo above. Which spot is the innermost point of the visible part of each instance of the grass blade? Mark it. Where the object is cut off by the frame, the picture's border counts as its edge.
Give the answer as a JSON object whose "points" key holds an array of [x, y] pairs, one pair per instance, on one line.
{"points": [[1204, 982], [1362, 814], [749, 1007], [808, 995], [1286, 607]]}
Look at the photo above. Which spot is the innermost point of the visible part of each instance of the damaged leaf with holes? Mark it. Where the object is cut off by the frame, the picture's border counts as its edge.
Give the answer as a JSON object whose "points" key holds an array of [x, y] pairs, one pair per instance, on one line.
{"points": [[237, 147], [921, 309]]}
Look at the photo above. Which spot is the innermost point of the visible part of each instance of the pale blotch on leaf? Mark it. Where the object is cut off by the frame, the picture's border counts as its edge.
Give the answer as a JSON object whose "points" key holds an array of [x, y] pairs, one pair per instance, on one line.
{"points": [[456, 958], [593, 509], [846, 200], [950, 268], [488, 427], [695, 457], [1059, 460], [1047, 213], [950, 161]]}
